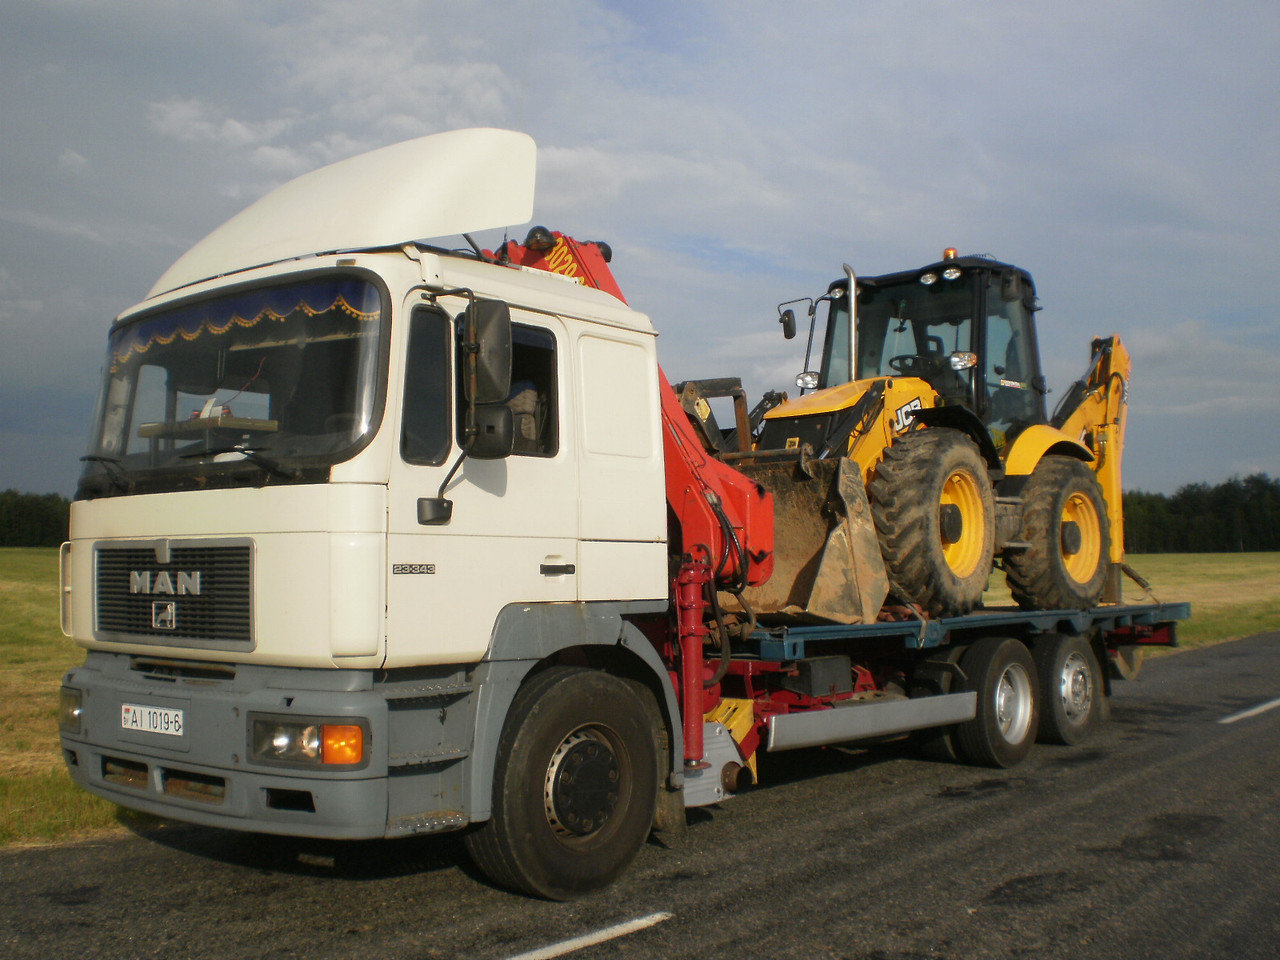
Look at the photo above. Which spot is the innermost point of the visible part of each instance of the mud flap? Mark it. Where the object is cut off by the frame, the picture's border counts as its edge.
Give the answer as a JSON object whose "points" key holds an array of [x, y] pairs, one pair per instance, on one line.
{"points": [[827, 565]]}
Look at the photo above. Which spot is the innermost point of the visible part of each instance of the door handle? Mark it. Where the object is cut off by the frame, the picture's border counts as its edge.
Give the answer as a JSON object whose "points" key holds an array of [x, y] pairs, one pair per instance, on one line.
{"points": [[556, 569]]}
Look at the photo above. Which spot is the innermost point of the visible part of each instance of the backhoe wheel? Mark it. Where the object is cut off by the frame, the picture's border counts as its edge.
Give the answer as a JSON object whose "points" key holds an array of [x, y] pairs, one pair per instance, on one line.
{"points": [[1064, 521], [935, 516], [574, 788], [1070, 688], [1002, 672]]}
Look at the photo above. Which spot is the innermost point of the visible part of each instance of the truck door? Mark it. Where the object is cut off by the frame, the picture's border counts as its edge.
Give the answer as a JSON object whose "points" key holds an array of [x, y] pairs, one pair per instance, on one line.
{"points": [[513, 534]]}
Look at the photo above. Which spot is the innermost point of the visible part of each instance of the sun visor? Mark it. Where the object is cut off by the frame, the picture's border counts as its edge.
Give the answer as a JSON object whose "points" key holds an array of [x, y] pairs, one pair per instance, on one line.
{"points": [[437, 186]]}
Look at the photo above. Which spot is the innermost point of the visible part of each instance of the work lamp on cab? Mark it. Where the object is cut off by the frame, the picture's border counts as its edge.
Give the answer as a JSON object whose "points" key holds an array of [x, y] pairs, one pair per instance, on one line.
{"points": [[540, 239]]}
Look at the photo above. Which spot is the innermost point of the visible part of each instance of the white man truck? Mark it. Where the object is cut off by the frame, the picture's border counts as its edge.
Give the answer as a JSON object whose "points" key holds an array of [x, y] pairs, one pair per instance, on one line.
{"points": [[377, 538]]}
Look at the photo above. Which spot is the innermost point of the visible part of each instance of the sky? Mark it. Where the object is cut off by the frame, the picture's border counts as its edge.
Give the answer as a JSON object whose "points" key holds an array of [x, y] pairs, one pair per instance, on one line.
{"points": [[734, 153]]}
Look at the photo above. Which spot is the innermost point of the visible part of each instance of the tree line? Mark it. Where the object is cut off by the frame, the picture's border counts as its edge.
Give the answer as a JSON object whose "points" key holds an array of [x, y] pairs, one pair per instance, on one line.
{"points": [[33, 519], [1238, 515]]}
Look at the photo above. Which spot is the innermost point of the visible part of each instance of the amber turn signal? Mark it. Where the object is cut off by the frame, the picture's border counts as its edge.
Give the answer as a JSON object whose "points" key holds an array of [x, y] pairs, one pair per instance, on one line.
{"points": [[343, 743]]}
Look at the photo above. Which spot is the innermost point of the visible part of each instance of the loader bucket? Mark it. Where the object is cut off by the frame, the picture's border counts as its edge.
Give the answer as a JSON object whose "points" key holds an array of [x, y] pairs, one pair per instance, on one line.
{"points": [[827, 565]]}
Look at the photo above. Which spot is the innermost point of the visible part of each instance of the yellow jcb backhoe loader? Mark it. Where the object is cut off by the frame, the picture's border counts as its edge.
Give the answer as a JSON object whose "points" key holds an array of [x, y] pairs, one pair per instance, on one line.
{"points": [[929, 380]]}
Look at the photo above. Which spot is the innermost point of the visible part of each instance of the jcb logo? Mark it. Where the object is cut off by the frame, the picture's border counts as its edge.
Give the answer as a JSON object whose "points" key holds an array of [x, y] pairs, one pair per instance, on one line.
{"points": [[902, 416]]}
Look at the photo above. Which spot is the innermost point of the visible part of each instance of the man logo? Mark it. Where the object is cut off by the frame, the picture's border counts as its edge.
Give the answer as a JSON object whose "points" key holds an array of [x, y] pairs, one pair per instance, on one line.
{"points": [[164, 615], [145, 581]]}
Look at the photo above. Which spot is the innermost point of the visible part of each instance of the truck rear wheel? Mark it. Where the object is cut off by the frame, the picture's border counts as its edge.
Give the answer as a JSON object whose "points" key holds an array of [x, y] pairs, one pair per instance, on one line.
{"points": [[1064, 521], [575, 786], [1002, 672], [1070, 689], [935, 515]]}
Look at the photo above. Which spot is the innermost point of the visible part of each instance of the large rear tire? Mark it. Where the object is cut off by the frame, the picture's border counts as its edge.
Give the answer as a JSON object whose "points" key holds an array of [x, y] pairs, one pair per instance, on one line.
{"points": [[575, 786], [1002, 672], [934, 512], [1064, 523]]}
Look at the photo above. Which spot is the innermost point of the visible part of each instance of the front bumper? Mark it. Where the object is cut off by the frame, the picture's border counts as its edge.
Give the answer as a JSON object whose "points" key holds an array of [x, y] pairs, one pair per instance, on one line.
{"points": [[205, 775]]}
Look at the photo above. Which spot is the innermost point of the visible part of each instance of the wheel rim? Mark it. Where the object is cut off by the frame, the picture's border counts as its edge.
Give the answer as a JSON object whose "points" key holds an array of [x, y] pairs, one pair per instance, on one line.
{"points": [[1013, 706], [582, 784], [961, 542], [1081, 564], [1075, 688]]}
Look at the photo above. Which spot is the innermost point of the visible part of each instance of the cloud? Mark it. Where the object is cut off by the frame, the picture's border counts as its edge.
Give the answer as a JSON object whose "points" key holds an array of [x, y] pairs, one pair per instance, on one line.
{"points": [[69, 161], [734, 152]]}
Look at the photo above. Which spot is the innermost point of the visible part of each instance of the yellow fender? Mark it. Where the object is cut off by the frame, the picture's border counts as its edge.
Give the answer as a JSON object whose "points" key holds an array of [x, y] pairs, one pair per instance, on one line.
{"points": [[1033, 443]]}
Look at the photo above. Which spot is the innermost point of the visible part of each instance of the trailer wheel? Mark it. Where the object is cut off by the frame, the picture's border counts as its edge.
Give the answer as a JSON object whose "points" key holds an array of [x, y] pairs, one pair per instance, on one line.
{"points": [[934, 512], [1070, 689], [1064, 523], [575, 786], [1002, 672]]}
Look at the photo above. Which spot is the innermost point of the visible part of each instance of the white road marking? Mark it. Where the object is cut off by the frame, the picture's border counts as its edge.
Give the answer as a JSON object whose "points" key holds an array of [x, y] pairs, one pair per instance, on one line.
{"points": [[591, 939], [1252, 711]]}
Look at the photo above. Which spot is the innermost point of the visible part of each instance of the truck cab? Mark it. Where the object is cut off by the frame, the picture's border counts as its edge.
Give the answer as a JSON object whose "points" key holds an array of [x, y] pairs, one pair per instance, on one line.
{"points": [[283, 629]]}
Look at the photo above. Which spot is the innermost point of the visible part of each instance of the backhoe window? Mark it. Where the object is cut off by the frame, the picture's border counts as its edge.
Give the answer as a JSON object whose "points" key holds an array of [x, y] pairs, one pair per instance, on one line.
{"points": [[836, 365], [1009, 367], [910, 329], [278, 380]]}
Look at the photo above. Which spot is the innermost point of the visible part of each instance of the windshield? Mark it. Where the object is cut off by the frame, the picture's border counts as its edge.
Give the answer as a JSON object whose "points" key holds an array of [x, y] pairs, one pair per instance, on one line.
{"points": [[912, 329], [263, 385]]}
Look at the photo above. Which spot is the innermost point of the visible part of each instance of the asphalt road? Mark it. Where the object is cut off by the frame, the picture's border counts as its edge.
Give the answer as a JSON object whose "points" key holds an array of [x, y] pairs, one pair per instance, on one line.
{"points": [[1158, 838]]}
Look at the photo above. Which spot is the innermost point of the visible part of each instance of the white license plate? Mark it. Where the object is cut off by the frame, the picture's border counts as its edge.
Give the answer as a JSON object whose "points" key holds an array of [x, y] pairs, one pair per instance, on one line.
{"points": [[164, 720]]}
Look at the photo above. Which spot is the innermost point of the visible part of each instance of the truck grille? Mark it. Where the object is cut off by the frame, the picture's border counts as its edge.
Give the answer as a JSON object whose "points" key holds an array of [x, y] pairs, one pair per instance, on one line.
{"points": [[199, 595]]}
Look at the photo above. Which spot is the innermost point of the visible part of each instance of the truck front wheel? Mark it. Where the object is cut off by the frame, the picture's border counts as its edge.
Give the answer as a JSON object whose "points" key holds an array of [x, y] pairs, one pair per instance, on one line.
{"points": [[1002, 672], [575, 785]]}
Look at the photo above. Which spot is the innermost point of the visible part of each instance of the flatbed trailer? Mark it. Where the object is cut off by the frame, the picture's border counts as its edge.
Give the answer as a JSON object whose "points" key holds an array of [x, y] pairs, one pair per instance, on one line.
{"points": [[1143, 622], [924, 676]]}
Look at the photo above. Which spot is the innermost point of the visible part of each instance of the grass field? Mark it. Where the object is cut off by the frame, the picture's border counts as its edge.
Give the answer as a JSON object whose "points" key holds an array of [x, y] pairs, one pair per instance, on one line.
{"points": [[1232, 595], [37, 801]]}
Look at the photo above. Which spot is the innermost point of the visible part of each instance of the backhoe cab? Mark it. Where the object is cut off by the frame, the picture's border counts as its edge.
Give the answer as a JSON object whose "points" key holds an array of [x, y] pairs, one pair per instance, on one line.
{"points": [[930, 381]]}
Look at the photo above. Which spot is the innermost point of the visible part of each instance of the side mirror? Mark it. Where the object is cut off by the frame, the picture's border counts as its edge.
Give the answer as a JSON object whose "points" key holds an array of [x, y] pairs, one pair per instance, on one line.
{"points": [[788, 320], [495, 432], [487, 338]]}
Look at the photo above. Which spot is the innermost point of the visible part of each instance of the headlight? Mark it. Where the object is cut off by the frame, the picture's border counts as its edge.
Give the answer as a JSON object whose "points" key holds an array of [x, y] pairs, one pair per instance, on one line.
{"points": [[306, 741], [807, 380], [69, 710]]}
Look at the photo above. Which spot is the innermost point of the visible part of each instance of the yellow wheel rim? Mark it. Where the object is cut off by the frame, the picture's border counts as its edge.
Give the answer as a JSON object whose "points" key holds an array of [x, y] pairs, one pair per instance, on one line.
{"points": [[964, 554], [1083, 563]]}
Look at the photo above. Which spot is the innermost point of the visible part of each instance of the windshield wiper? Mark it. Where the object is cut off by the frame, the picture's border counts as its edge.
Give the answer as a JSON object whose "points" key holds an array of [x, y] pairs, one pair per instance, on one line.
{"points": [[252, 454], [115, 473]]}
